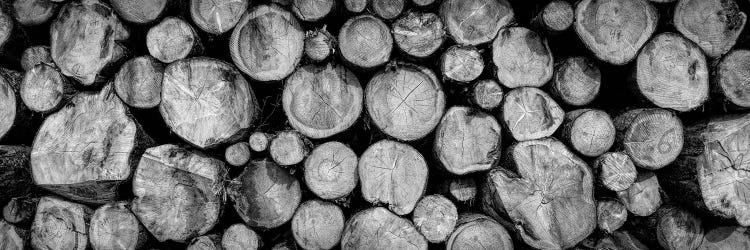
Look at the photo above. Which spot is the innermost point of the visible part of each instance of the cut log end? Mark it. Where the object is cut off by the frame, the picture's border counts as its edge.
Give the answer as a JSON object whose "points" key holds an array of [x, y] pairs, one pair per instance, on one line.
{"points": [[643, 197], [475, 22], [714, 25], [33, 12], [435, 217], [733, 79], [312, 10], [653, 138], [530, 113], [239, 236], [20, 210], [237, 154], [370, 229], [478, 231], [318, 225], [6, 28], [400, 166], [139, 11], [319, 44], [365, 42], [138, 82], [59, 224], [576, 81], [44, 89], [217, 17], [557, 16], [331, 170], [355, 6], [205, 242], [467, 141], [589, 131], [172, 39], [419, 34], [678, 229], [35, 55], [114, 226], [610, 215], [461, 63], [288, 148], [487, 94], [387, 9], [259, 141], [12, 237], [615, 171], [522, 58]]}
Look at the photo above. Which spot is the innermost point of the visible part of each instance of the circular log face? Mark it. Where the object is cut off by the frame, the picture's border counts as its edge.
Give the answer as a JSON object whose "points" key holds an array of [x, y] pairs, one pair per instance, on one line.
{"points": [[312, 10], [318, 225], [419, 34], [238, 154], [467, 141], [474, 22], [405, 101], [267, 43], [259, 141], [138, 83], [387, 9], [139, 11], [35, 55], [615, 29], [713, 24], [114, 226], [616, 171], [288, 148], [59, 224], [331, 170], [321, 101], [365, 41], [319, 44], [85, 38], [6, 28], [355, 6], [487, 94], [172, 39], [206, 101], [33, 12], [530, 114], [733, 77], [729, 237], [653, 138], [589, 131], [462, 64], [610, 215], [205, 242], [43, 88], [477, 231], [217, 17], [677, 229], [435, 217], [643, 197], [378, 228], [240, 237], [393, 173], [558, 15], [522, 58], [8, 106], [576, 81]]}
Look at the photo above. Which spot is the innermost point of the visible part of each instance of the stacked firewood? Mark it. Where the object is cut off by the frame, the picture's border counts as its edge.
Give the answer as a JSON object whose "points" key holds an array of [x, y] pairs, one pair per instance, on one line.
{"points": [[374, 124]]}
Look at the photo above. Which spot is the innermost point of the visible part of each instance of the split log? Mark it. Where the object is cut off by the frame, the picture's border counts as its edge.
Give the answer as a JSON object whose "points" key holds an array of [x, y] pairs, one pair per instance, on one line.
{"points": [[15, 173], [267, 43], [556, 16], [217, 17], [355, 6], [435, 217], [288, 148], [462, 189], [139, 11], [712, 24], [487, 94], [474, 231], [35, 55], [321, 101], [85, 40], [138, 83], [461, 63], [419, 34], [312, 10], [727, 237], [405, 101], [615, 30], [331, 170], [179, 193], [259, 141], [732, 79], [643, 197], [475, 22], [319, 44], [678, 229], [671, 72], [554, 211], [11, 237], [530, 113], [207, 102], [15, 117], [610, 215], [576, 81], [615, 171], [173, 39], [378, 228], [114, 226], [20, 210], [60, 224], [387, 9], [522, 58], [423, 3], [318, 224], [44, 89], [265, 195], [365, 42], [467, 141], [653, 137], [240, 237], [205, 242], [238, 154], [87, 150], [33, 12], [590, 132], [394, 174]]}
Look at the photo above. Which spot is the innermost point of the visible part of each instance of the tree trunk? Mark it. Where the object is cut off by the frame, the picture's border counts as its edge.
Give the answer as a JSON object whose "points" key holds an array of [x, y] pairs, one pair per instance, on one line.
{"points": [[331, 170], [610, 215], [731, 78], [33, 12], [615, 171], [265, 195], [173, 39], [652, 137], [139, 11], [726, 237], [267, 43], [237, 154], [643, 197], [20, 210], [714, 25], [179, 194], [530, 113], [461, 63], [240, 237], [576, 81], [678, 229], [15, 117], [217, 17], [318, 224], [355, 6], [475, 231], [522, 58], [435, 217], [15, 174], [206, 118], [259, 141], [393, 174], [556, 17], [559, 215], [387, 9], [475, 22], [11, 237], [288, 148], [365, 42], [44, 89], [138, 83], [114, 226], [59, 224], [86, 150], [590, 132], [405, 101], [35, 55], [467, 141], [319, 44], [615, 30], [461, 189], [205, 242], [419, 34], [487, 94], [313, 10], [378, 228]]}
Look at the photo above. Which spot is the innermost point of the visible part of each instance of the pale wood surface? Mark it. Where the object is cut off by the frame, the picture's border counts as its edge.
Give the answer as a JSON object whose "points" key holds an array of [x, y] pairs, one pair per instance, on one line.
{"points": [[387, 9], [217, 17], [678, 229], [643, 197], [435, 217], [205, 242], [378, 228], [172, 39], [319, 44], [475, 231], [557, 16], [13, 113], [365, 41], [259, 141], [530, 113], [44, 89], [590, 132], [487, 94], [312, 10], [139, 11], [467, 141], [712, 24], [60, 224], [732, 77], [652, 137], [138, 82], [237, 154], [576, 81], [240, 237], [288, 148], [355, 6], [615, 171], [6, 28], [38, 54], [318, 224], [461, 63], [419, 34], [522, 58], [462, 189], [11, 237], [610, 215], [474, 22], [331, 170], [393, 174], [114, 226], [33, 12]]}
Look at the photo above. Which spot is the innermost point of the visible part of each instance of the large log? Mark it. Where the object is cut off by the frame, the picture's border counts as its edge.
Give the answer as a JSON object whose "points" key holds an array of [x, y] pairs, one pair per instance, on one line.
{"points": [[387, 9], [712, 24], [549, 200], [589, 132], [475, 231], [237, 154], [331, 170], [85, 40], [487, 94], [393, 174], [34, 55], [522, 58], [207, 102], [205, 242], [678, 229], [461, 63], [731, 78], [173, 39], [288, 148], [365, 42], [615, 30], [217, 17], [114, 226], [60, 224], [726, 237], [15, 173], [11, 237], [44, 89], [319, 44], [644, 196], [467, 141], [555, 17], [87, 150], [378, 228], [312, 10], [405, 101], [20, 210], [15, 117], [139, 11], [267, 43], [530, 113], [33, 12], [610, 215], [240, 237], [179, 193], [138, 82], [615, 171], [435, 217], [474, 22], [419, 34], [652, 137], [576, 81], [318, 224]]}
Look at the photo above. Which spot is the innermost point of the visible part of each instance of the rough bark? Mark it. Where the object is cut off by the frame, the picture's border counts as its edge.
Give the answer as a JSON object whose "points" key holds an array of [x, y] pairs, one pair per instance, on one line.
{"points": [[355, 6], [461, 63], [576, 81], [259, 141], [387, 9], [475, 22], [331, 170], [114, 226], [237, 154], [44, 89], [678, 229], [643, 197], [530, 113], [240, 237], [610, 215], [435, 217], [318, 224], [461, 189], [522, 58], [590, 132], [652, 137], [15, 117], [217, 17], [288, 148], [556, 17], [312, 10], [139, 11], [365, 42], [33, 12], [319, 44], [34, 55], [59, 224], [726, 237], [615, 171], [467, 141], [205, 242], [173, 39], [11, 237], [20, 210], [15, 173], [179, 193], [138, 82], [487, 94], [712, 24], [419, 34], [731, 78], [378, 228]]}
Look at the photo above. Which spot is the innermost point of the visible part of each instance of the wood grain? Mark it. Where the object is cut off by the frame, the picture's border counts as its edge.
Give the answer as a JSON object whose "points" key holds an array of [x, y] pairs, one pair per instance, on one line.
{"points": [[60, 224], [114, 226], [714, 25], [577, 81], [44, 89], [172, 39], [590, 132], [474, 22], [461, 63], [643, 197], [331, 170], [475, 231], [318, 224], [33, 12], [530, 113], [393, 174], [140, 11], [378, 228], [138, 82], [435, 217], [467, 141], [522, 58], [653, 138], [288, 148], [419, 34], [365, 42], [217, 17], [240, 237]]}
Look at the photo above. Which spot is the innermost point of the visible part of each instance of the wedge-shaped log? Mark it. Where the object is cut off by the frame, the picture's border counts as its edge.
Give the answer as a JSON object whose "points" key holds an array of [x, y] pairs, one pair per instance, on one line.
{"points": [[644, 196]]}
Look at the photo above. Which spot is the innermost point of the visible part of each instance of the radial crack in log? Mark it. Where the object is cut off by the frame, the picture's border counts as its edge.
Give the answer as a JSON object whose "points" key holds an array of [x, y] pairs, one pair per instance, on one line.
{"points": [[393, 174]]}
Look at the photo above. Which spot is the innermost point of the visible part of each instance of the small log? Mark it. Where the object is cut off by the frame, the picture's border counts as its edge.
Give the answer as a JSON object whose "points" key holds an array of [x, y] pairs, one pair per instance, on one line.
{"points": [[114, 226], [435, 217], [312, 10], [15, 173], [321, 101], [615, 30], [610, 215], [530, 113], [393, 174], [615, 171], [11, 237], [318, 224], [576, 81], [678, 229], [405, 101], [265, 195], [556, 17], [288, 148], [20, 210], [259, 141], [423, 3], [522, 58], [36, 55], [475, 22], [378, 228], [726, 237], [33, 12], [643, 197], [461, 189], [319, 44], [88, 149], [487, 94], [562, 203], [179, 194], [172, 39], [713, 25], [267, 43], [590, 132], [240, 237], [355, 6], [419, 34], [206, 118], [387, 9], [44, 89], [331, 170], [85, 40], [15, 117], [60, 224], [138, 83], [475, 231], [653, 138], [238, 154], [732, 78], [461, 63], [467, 141], [217, 17], [139, 11], [365, 42], [205, 242]]}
